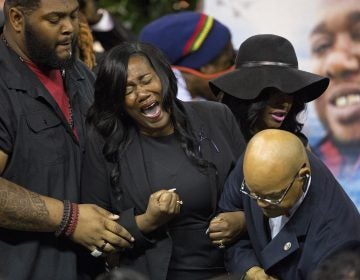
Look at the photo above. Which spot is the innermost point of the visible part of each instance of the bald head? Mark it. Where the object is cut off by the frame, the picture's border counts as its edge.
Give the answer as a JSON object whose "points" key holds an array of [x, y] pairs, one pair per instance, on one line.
{"points": [[276, 162], [274, 152]]}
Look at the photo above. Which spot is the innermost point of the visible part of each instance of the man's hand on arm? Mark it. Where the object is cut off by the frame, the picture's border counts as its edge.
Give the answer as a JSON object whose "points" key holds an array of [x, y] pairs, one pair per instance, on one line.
{"points": [[23, 210], [96, 226]]}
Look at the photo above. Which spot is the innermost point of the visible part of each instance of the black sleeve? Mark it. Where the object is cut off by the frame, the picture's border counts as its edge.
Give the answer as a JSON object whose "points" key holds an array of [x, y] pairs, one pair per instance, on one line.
{"points": [[95, 179], [96, 188], [231, 197]]}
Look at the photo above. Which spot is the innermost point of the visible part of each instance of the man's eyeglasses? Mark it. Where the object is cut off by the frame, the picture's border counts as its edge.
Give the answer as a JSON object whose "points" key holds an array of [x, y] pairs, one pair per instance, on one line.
{"points": [[245, 190]]}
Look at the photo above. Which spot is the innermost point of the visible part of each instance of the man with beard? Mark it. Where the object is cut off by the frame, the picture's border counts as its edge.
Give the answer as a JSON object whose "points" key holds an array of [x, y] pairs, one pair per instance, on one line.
{"points": [[44, 95], [335, 47]]}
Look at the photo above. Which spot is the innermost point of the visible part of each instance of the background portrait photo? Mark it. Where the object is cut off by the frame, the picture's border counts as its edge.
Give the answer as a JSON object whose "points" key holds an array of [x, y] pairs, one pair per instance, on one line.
{"points": [[326, 37]]}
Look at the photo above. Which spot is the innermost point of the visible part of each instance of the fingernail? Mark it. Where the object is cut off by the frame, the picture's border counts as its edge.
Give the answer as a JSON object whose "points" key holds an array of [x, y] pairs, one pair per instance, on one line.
{"points": [[115, 216], [132, 239], [207, 231], [172, 190]]}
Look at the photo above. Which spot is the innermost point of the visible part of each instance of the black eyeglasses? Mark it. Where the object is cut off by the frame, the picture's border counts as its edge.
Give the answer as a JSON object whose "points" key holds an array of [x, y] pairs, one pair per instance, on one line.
{"points": [[245, 190]]}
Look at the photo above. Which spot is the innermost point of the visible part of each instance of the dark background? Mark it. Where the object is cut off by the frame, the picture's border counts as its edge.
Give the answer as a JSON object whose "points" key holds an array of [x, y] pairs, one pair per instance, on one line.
{"points": [[134, 14]]}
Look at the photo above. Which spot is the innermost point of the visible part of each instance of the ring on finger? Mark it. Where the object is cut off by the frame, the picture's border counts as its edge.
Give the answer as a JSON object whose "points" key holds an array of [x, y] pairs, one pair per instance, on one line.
{"points": [[221, 244], [96, 253], [103, 246]]}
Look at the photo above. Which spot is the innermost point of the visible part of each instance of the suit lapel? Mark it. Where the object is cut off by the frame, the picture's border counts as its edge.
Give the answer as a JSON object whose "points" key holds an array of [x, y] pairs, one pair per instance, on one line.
{"points": [[286, 242]]}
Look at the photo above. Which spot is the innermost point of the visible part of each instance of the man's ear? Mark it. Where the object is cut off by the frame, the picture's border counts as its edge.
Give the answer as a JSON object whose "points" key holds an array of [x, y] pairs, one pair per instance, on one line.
{"points": [[305, 175], [16, 19], [306, 178]]}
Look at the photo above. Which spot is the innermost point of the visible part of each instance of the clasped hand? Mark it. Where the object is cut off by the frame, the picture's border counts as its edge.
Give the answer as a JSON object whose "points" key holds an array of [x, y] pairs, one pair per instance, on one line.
{"points": [[162, 207], [226, 227]]}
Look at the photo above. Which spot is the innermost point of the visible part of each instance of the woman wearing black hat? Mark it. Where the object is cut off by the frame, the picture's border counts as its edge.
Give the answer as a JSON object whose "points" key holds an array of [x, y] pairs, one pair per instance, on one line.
{"points": [[267, 90]]}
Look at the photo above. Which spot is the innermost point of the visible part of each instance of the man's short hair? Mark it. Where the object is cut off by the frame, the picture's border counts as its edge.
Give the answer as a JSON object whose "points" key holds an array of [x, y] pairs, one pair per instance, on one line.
{"points": [[27, 6]]}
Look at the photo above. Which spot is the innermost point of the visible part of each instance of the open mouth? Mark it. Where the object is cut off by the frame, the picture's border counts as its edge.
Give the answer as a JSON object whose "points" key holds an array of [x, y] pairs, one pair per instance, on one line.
{"points": [[279, 116], [152, 111], [346, 100]]}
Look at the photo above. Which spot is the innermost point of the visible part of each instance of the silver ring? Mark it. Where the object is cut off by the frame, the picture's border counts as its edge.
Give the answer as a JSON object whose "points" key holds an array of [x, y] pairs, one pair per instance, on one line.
{"points": [[96, 253], [221, 244], [180, 202]]}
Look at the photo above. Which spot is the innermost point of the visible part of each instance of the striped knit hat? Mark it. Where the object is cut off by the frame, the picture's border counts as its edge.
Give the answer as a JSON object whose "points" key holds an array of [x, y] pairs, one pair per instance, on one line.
{"points": [[188, 39]]}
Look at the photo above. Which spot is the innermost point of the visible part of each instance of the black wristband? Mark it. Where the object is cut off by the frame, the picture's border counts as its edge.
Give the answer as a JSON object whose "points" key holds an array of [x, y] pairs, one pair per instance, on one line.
{"points": [[65, 218]]}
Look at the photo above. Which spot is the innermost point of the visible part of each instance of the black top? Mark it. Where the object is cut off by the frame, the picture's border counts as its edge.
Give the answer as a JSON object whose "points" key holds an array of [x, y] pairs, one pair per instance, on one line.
{"points": [[166, 164], [44, 157]]}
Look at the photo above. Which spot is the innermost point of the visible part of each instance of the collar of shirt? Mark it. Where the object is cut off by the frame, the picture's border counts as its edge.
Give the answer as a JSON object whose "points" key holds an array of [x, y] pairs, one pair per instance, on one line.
{"points": [[277, 223]]}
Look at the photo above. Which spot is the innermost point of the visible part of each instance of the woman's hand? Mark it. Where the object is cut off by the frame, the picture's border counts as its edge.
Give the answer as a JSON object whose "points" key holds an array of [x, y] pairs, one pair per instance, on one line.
{"points": [[226, 227], [162, 207]]}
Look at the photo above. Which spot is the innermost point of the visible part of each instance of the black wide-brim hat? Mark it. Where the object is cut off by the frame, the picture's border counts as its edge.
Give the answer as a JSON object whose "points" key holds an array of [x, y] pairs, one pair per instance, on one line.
{"points": [[268, 61]]}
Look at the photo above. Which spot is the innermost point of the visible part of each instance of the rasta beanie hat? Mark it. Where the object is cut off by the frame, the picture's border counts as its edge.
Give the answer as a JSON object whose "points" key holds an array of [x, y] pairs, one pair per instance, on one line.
{"points": [[188, 39]]}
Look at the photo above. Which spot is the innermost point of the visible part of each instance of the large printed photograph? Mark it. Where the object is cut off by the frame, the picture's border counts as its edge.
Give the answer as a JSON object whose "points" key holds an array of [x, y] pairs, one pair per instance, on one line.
{"points": [[326, 38]]}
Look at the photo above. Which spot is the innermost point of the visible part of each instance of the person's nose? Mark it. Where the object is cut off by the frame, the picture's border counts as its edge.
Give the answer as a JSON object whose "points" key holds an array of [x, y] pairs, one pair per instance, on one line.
{"points": [[69, 26], [342, 60], [284, 100], [143, 94], [262, 204]]}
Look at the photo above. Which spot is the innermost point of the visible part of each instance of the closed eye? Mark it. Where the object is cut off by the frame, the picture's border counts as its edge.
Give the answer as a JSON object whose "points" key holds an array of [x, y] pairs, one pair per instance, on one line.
{"points": [[146, 79], [129, 90]]}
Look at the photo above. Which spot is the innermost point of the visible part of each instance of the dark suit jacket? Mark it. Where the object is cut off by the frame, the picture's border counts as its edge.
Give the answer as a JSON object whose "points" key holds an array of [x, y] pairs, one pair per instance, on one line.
{"points": [[326, 221], [222, 143]]}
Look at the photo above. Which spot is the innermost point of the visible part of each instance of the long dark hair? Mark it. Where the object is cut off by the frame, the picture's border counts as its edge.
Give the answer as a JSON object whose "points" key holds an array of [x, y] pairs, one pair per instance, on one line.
{"points": [[108, 116], [247, 113]]}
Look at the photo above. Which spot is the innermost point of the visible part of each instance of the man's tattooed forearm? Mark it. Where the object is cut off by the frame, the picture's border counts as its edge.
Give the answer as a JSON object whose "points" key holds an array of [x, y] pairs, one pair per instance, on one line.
{"points": [[21, 209]]}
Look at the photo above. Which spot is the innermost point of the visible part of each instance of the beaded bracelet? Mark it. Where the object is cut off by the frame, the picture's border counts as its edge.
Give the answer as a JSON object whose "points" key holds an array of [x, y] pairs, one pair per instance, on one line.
{"points": [[71, 225], [65, 218]]}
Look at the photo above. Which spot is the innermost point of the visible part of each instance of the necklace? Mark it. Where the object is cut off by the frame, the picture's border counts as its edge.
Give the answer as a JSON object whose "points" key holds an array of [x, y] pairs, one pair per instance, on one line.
{"points": [[7, 44], [63, 73]]}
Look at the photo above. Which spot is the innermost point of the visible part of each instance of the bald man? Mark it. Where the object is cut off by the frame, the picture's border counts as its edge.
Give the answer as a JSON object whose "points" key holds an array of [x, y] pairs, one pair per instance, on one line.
{"points": [[296, 212]]}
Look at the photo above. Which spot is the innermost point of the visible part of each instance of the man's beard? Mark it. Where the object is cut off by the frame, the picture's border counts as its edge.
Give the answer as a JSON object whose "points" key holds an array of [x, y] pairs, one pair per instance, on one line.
{"points": [[44, 57]]}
